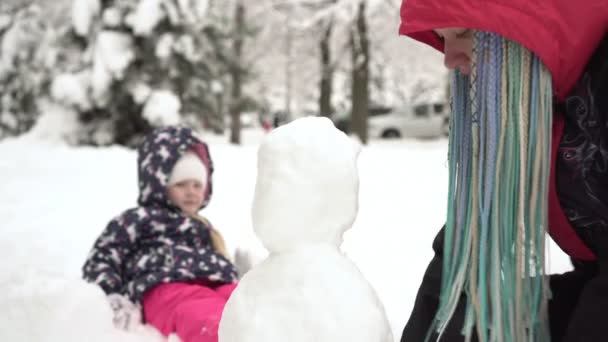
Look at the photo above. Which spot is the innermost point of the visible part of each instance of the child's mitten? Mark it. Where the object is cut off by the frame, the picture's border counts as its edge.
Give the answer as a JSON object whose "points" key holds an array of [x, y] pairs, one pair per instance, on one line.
{"points": [[126, 313]]}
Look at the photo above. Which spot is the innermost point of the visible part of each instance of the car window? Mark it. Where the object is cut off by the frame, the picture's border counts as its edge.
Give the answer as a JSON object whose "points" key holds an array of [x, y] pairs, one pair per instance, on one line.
{"points": [[376, 111], [421, 111], [438, 108]]}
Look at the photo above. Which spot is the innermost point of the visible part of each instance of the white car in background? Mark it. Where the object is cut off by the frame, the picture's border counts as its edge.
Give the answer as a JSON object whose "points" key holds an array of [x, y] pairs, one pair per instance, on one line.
{"points": [[428, 120], [248, 120]]}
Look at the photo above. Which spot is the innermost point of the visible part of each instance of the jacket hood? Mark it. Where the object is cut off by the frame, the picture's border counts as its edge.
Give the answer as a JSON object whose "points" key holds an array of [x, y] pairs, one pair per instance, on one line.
{"points": [[158, 154], [562, 33]]}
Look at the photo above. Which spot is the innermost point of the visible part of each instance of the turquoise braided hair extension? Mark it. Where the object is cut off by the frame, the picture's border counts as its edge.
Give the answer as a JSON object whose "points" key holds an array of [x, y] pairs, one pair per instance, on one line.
{"points": [[499, 151]]}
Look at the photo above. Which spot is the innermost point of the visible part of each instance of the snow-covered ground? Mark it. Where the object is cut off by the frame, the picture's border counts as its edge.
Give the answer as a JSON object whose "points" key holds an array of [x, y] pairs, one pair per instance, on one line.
{"points": [[55, 200]]}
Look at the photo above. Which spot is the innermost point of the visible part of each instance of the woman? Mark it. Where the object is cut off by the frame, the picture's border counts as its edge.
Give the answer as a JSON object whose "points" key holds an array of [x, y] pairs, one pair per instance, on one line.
{"points": [[571, 39]]}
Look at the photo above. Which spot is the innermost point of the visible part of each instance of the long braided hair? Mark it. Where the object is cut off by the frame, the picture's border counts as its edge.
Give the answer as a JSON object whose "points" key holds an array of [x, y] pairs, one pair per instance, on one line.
{"points": [[499, 153]]}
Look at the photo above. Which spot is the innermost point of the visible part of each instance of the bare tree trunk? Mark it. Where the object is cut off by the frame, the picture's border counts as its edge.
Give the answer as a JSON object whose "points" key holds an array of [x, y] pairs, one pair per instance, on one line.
{"points": [[236, 74], [289, 61], [325, 86], [360, 75]]}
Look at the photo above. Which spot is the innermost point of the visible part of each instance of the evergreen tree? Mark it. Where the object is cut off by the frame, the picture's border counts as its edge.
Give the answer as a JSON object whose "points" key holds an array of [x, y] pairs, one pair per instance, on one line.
{"points": [[23, 67], [143, 63]]}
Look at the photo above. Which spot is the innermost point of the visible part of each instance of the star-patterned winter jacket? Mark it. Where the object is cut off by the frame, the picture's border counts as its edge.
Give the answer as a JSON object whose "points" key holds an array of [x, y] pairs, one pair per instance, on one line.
{"points": [[155, 242]]}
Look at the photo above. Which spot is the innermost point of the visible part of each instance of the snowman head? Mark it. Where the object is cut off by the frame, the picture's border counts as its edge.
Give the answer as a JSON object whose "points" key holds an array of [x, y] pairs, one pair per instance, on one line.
{"points": [[307, 185]]}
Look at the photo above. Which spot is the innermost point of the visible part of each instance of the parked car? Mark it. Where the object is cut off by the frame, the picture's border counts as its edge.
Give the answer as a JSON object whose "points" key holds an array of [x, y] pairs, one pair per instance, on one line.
{"points": [[248, 120], [342, 119], [429, 120]]}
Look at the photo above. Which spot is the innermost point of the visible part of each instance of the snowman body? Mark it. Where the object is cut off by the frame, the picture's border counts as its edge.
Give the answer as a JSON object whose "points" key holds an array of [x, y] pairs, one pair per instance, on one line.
{"points": [[320, 296], [306, 290]]}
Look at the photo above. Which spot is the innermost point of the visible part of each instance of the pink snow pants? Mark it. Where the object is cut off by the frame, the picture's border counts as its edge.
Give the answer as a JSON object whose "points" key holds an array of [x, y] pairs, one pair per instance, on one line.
{"points": [[192, 311]]}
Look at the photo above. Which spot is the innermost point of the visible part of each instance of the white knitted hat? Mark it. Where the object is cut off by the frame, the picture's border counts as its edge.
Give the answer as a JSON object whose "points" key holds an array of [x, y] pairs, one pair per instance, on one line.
{"points": [[189, 166]]}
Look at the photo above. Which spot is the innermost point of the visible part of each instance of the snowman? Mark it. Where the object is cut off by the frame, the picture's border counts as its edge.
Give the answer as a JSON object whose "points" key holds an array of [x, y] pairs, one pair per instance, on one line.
{"points": [[306, 198]]}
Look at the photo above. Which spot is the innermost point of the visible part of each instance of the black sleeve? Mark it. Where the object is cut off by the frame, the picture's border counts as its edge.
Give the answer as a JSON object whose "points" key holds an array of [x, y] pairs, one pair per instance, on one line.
{"points": [[584, 319]]}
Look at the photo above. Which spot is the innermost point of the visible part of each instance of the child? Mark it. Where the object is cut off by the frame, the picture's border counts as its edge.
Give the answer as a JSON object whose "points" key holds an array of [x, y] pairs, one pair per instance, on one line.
{"points": [[162, 255], [571, 39]]}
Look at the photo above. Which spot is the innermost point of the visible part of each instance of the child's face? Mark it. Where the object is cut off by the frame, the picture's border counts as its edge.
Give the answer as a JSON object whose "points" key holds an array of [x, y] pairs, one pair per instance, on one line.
{"points": [[458, 48], [188, 195]]}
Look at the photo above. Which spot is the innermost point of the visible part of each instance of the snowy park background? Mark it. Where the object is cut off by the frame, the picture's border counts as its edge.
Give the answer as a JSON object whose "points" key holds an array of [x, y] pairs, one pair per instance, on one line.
{"points": [[56, 199], [67, 167]]}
